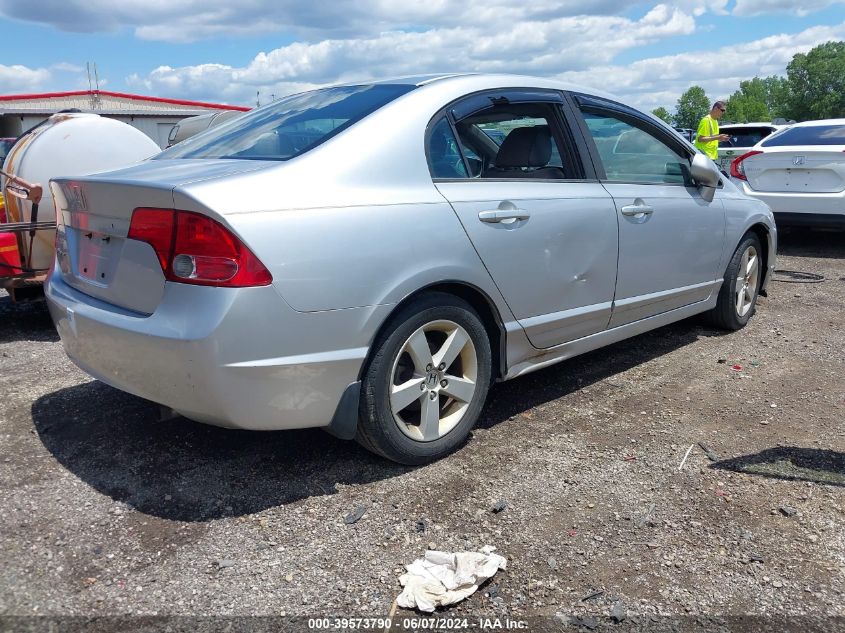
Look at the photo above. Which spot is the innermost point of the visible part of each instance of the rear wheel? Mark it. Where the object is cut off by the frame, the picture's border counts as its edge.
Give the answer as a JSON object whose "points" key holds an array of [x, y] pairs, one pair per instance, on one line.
{"points": [[741, 287], [425, 386]]}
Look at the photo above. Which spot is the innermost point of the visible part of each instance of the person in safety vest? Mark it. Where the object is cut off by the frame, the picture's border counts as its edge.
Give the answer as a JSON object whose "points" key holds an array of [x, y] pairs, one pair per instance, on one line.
{"points": [[708, 136]]}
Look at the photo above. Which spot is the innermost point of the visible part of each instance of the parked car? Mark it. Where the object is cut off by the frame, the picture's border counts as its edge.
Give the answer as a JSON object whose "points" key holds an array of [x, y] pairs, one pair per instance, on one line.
{"points": [[193, 125], [686, 133], [373, 285], [744, 136], [799, 172]]}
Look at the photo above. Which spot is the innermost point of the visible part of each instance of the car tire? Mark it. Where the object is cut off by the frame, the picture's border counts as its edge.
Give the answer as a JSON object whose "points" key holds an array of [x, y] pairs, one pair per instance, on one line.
{"points": [[404, 386], [741, 286]]}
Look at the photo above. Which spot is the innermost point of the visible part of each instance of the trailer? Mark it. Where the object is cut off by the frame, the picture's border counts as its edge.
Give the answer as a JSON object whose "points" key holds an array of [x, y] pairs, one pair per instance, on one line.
{"points": [[66, 144], [17, 277]]}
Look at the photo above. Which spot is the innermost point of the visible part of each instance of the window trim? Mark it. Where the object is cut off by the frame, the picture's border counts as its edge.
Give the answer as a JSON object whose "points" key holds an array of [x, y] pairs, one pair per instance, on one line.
{"points": [[582, 145], [561, 129]]}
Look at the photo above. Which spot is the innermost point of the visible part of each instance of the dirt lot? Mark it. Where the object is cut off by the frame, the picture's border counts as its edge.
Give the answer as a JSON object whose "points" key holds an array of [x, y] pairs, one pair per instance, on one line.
{"points": [[104, 510]]}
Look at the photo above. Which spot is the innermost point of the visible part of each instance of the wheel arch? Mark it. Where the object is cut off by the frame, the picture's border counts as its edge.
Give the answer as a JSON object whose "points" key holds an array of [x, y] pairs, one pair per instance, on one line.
{"points": [[764, 235], [480, 302]]}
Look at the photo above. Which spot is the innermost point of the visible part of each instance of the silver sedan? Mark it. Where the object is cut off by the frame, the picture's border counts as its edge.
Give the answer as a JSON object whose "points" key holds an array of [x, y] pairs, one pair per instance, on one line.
{"points": [[369, 258]]}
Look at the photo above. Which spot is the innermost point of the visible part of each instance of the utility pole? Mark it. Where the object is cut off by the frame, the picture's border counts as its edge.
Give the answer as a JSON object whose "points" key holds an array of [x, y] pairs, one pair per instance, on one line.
{"points": [[91, 103]]}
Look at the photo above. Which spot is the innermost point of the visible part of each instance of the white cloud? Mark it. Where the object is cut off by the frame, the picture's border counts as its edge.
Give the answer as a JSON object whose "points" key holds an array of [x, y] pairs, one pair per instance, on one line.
{"points": [[659, 81], [67, 67], [22, 79], [700, 7], [801, 7], [538, 47], [191, 20], [351, 40]]}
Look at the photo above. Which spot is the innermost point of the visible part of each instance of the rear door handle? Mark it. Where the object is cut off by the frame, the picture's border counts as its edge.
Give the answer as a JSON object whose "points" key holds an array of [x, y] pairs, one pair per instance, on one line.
{"points": [[503, 216], [637, 209]]}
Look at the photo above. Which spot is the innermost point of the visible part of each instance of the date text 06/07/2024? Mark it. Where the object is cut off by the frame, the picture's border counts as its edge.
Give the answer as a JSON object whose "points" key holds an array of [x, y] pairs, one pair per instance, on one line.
{"points": [[418, 624]]}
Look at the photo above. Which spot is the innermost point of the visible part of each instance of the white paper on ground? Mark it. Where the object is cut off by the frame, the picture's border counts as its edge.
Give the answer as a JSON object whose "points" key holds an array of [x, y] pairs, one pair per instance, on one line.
{"points": [[444, 578]]}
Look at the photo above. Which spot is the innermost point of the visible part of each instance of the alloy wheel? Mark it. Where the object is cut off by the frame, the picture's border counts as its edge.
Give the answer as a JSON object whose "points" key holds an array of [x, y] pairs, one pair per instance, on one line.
{"points": [[748, 278], [433, 381]]}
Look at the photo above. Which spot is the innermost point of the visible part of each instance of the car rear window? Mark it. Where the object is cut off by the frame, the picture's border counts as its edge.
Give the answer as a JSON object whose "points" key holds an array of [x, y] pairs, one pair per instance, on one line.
{"points": [[290, 126], [745, 137], [810, 135]]}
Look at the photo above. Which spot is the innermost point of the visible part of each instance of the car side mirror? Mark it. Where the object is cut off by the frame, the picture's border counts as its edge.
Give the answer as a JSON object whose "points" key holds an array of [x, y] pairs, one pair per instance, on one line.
{"points": [[705, 175]]}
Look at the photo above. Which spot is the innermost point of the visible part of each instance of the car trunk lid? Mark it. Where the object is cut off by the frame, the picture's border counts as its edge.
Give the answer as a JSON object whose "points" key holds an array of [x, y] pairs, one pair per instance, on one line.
{"points": [[94, 254], [796, 171]]}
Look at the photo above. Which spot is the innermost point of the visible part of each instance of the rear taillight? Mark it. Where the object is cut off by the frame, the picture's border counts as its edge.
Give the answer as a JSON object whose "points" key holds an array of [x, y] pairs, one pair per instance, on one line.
{"points": [[737, 170], [194, 249]]}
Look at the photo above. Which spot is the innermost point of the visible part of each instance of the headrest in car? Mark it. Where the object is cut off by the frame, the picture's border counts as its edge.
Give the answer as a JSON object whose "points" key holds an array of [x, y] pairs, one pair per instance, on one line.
{"points": [[526, 147]]}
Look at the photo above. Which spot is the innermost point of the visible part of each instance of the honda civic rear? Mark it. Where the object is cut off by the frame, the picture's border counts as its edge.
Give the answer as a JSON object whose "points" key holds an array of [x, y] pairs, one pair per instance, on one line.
{"points": [[171, 305], [799, 172]]}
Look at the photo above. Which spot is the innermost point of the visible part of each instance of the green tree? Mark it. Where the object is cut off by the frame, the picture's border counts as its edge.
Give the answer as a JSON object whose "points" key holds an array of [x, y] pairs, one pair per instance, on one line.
{"points": [[758, 99], [817, 83], [662, 113], [745, 109], [692, 106], [776, 91]]}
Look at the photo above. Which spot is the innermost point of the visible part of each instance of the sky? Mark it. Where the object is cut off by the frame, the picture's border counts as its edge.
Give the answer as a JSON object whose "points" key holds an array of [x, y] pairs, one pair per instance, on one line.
{"points": [[247, 51]]}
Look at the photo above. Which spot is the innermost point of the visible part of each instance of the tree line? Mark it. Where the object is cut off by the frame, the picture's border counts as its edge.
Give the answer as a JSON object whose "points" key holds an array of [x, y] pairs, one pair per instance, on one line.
{"points": [[814, 88]]}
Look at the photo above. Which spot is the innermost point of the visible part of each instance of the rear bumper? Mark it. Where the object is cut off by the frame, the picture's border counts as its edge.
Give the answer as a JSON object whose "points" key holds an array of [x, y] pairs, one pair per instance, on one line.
{"points": [[239, 358], [797, 204]]}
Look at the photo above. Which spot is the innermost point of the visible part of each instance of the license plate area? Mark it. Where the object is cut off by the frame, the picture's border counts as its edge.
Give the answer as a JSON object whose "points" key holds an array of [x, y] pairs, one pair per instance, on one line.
{"points": [[96, 254], [812, 180]]}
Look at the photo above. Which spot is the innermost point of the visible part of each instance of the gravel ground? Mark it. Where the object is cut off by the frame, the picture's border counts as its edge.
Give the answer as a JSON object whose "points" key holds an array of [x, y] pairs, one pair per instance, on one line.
{"points": [[107, 511]]}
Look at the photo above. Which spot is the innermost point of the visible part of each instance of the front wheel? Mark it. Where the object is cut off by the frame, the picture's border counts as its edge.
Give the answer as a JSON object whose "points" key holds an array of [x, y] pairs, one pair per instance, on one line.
{"points": [[741, 287], [424, 388]]}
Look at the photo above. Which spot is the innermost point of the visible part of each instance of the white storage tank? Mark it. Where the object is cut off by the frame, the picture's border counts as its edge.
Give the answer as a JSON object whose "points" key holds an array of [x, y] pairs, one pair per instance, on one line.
{"points": [[66, 144]]}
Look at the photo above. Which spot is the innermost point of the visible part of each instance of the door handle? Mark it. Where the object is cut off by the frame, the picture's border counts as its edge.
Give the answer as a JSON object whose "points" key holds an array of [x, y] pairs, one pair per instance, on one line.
{"points": [[502, 216], [637, 209]]}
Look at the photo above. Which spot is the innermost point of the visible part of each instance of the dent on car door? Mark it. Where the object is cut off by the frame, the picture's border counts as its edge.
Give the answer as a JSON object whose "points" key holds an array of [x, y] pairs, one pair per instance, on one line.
{"points": [[547, 238], [670, 238]]}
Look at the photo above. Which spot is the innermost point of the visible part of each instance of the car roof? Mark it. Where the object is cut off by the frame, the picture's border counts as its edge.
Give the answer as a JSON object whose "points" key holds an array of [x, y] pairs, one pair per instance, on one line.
{"points": [[413, 80], [820, 122], [493, 81]]}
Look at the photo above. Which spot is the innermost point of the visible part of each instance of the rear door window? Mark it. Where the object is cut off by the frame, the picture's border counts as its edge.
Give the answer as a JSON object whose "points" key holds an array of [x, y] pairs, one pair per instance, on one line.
{"points": [[506, 164], [513, 141]]}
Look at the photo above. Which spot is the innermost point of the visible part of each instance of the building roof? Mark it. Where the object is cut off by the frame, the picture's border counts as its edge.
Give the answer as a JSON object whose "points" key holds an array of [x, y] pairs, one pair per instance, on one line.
{"points": [[106, 102]]}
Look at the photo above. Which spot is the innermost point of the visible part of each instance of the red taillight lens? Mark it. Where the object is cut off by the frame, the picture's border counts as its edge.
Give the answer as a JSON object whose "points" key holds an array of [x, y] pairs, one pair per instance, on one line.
{"points": [[155, 227], [737, 170], [194, 249]]}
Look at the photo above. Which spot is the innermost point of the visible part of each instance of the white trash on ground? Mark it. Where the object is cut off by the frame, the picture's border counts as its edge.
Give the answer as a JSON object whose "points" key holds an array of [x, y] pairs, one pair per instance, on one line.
{"points": [[444, 578]]}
